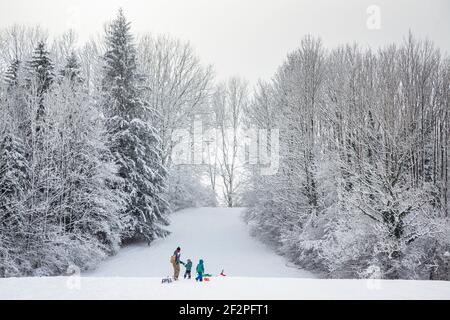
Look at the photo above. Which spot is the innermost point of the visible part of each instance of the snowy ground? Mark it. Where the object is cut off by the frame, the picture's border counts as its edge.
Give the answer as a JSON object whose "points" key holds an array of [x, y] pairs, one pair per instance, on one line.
{"points": [[218, 236], [233, 288]]}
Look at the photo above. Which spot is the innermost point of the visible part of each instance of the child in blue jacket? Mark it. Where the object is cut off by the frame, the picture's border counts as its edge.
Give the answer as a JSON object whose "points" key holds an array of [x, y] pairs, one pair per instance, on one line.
{"points": [[200, 270]]}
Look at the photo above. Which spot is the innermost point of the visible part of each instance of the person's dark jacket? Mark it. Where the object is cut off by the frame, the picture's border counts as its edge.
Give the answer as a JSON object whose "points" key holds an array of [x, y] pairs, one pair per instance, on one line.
{"points": [[177, 255], [188, 265]]}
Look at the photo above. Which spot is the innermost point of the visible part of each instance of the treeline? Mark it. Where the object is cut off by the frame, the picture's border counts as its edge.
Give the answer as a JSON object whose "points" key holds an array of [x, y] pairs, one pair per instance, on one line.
{"points": [[85, 144], [363, 186]]}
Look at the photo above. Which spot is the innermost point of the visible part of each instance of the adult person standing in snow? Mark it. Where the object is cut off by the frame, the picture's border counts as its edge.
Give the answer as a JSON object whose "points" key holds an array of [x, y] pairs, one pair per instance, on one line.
{"points": [[175, 260]]}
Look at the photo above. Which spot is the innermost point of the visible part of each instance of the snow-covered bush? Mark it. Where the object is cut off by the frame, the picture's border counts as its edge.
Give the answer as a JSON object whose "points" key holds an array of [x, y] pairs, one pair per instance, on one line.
{"points": [[186, 190]]}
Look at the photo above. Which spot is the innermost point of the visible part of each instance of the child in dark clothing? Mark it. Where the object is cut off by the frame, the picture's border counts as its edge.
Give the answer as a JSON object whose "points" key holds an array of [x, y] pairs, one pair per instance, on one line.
{"points": [[188, 266]]}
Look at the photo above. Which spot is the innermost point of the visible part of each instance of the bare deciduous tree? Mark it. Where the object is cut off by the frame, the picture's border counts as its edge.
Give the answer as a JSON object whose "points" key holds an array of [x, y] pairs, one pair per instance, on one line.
{"points": [[177, 84], [228, 103]]}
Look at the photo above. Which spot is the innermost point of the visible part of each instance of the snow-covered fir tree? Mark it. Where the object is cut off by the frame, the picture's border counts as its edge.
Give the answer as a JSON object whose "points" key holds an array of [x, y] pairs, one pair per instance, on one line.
{"points": [[16, 93], [72, 69], [14, 179], [133, 140], [14, 168], [40, 68], [12, 73], [40, 78]]}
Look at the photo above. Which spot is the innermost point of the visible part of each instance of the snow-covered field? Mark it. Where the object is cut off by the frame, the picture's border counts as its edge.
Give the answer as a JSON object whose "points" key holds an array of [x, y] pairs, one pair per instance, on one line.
{"points": [[234, 288], [218, 236]]}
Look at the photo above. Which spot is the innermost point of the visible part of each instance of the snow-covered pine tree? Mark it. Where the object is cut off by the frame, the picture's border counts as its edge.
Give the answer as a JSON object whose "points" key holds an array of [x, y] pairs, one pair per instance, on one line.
{"points": [[14, 176], [72, 69], [15, 97], [12, 73], [14, 168], [133, 140], [40, 77], [41, 68]]}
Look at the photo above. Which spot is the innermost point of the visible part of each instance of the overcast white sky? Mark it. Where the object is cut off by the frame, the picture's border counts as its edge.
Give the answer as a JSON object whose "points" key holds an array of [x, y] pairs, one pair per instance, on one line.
{"points": [[249, 38]]}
